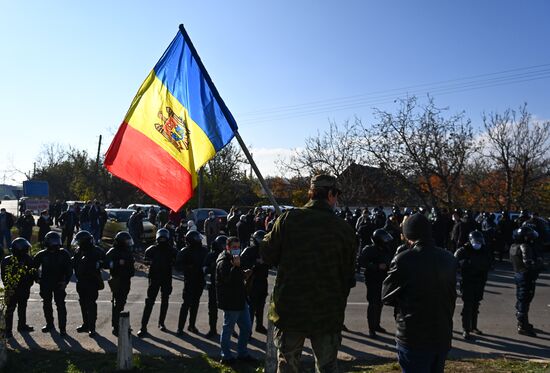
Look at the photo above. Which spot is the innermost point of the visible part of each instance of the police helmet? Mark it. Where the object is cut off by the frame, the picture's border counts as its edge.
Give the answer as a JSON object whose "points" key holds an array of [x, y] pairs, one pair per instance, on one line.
{"points": [[257, 237], [83, 239], [193, 238], [123, 239], [163, 235], [526, 233], [20, 246], [476, 238], [219, 243], [52, 240], [381, 237]]}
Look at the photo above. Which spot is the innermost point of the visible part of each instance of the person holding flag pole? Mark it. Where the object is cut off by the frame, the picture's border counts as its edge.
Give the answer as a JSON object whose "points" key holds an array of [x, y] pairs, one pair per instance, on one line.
{"points": [[176, 123]]}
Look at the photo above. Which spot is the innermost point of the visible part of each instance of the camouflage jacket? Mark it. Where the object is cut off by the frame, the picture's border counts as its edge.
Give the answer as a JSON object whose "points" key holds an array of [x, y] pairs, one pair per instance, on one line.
{"points": [[314, 251]]}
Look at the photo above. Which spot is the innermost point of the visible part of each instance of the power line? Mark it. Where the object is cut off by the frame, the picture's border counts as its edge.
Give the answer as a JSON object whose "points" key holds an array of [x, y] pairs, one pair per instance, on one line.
{"points": [[461, 84]]}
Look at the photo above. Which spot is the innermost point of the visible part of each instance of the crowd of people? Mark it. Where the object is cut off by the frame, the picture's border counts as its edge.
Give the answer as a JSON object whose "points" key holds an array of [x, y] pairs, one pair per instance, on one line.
{"points": [[411, 259]]}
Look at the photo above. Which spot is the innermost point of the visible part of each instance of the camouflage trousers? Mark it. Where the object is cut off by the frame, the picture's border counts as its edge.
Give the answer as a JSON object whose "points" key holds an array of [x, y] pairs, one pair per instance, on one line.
{"points": [[289, 351]]}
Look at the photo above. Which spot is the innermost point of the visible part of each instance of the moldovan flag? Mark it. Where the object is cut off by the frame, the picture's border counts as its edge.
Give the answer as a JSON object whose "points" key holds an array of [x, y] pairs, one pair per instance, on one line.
{"points": [[176, 123]]}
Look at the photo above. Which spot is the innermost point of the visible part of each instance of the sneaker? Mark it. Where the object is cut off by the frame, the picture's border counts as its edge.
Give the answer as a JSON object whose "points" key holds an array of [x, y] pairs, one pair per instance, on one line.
{"points": [[477, 331], [179, 332], [467, 336], [82, 329], [247, 359], [261, 329], [193, 329], [162, 328], [372, 334], [92, 333], [142, 333], [25, 329], [380, 329]]}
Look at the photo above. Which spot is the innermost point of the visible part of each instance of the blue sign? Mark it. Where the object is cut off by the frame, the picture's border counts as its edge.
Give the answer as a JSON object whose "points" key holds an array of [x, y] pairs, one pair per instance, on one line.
{"points": [[33, 188]]}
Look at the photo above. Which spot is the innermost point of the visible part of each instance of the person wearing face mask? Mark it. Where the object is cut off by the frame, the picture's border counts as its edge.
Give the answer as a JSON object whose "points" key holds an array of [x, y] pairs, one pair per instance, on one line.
{"points": [[527, 263], [474, 260], [88, 261], [56, 272], [44, 222], [18, 276]]}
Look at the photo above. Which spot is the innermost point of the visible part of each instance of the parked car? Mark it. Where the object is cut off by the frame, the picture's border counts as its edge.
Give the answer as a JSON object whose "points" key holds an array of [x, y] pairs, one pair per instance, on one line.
{"points": [[117, 220], [200, 215], [144, 207]]}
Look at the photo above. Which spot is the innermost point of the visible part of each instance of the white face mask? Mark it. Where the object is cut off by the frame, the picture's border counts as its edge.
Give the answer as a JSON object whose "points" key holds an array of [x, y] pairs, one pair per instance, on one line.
{"points": [[476, 246]]}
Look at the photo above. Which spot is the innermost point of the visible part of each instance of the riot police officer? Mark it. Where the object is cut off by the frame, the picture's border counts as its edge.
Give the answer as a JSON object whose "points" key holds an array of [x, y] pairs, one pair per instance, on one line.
{"points": [[18, 276], [256, 283], [376, 259], [190, 260], [120, 261], [527, 264], [56, 272], [474, 259], [88, 261], [161, 257], [209, 268]]}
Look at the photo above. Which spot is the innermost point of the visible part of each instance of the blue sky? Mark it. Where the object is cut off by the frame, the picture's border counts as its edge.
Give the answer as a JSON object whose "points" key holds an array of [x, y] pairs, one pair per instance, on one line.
{"points": [[71, 68]]}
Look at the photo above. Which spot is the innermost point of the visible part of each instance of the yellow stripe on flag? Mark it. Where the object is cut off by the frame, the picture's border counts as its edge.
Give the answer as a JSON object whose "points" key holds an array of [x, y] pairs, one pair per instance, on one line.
{"points": [[150, 109]]}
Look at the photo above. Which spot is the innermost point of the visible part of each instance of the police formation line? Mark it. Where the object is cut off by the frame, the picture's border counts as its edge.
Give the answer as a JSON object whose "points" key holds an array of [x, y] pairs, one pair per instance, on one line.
{"points": [[237, 281]]}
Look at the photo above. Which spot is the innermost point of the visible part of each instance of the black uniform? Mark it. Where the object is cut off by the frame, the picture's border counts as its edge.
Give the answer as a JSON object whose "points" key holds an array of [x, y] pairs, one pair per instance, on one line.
{"points": [[87, 262], [190, 261], [161, 256], [17, 289], [256, 284], [527, 264], [371, 257], [56, 272], [474, 266], [209, 268], [68, 221], [120, 261]]}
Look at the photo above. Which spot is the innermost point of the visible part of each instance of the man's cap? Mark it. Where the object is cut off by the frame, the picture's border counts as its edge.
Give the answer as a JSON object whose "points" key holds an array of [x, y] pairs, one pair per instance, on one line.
{"points": [[417, 228], [323, 181]]}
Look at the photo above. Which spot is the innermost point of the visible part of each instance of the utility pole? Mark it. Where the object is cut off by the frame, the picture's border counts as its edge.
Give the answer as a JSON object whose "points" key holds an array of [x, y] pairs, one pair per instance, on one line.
{"points": [[98, 152]]}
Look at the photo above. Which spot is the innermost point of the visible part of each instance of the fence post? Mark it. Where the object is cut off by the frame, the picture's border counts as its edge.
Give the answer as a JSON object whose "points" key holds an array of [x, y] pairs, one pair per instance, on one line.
{"points": [[124, 356]]}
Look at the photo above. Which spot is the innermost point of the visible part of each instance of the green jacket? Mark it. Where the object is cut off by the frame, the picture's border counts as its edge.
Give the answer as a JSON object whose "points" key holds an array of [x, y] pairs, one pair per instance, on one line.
{"points": [[314, 251]]}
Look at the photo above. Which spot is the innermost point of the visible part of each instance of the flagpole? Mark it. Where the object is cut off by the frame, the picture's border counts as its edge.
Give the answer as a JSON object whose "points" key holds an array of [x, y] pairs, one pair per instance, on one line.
{"points": [[270, 351]]}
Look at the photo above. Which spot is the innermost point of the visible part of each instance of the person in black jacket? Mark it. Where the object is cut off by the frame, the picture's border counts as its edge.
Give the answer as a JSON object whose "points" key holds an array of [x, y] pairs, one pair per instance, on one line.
{"points": [[376, 260], [231, 295], [161, 258], [120, 261], [474, 260], [25, 224], [421, 284], [56, 272], [68, 220], [88, 261], [6, 223], [256, 284], [190, 260], [209, 269], [527, 264], [18, 276], [44, 222], [244, 230]]}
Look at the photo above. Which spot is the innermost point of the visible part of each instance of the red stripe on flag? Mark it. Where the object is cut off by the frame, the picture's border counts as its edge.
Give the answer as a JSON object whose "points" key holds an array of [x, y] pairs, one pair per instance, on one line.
{"points": [[136, 159]]}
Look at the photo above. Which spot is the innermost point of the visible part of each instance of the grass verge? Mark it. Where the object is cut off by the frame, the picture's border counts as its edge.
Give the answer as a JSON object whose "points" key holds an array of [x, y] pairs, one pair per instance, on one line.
{"points": [[87, 362]]}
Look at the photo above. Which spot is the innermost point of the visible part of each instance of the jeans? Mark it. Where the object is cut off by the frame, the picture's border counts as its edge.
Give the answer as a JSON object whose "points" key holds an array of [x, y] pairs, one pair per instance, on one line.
{"points": [[420, 360], [242, 319]]}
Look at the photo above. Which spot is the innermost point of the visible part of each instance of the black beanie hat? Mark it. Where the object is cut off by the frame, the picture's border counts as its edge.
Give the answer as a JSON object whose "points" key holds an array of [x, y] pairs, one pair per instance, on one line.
{"points": [[417, 228]]}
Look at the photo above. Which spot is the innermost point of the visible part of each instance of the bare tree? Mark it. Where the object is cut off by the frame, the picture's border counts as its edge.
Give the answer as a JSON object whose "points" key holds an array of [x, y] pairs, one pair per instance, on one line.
{"points": [[517, 149], [421, 148], [332, 151]]}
